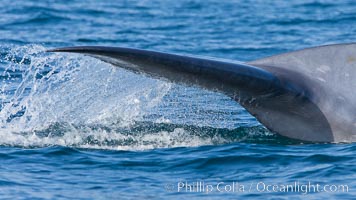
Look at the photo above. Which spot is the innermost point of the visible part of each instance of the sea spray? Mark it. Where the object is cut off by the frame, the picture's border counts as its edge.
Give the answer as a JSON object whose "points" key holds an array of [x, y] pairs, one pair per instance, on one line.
{"points": [[70, 90]]}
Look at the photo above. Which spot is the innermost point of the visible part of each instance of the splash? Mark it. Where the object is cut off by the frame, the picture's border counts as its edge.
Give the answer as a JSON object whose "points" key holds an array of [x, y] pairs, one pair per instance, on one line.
{"points": [[40, 89]]}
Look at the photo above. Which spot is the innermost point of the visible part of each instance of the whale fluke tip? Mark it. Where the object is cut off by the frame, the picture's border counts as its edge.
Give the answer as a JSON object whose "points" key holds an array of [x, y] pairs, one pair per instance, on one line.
{"points": [[64, 49]]}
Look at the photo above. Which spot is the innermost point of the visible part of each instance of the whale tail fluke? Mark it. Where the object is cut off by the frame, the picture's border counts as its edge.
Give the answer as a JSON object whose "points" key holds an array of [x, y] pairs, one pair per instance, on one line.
{"points": [[296, 94]]}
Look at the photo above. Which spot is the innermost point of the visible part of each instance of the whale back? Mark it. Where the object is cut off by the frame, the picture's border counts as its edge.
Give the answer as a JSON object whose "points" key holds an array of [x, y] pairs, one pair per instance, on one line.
{"points": [[329, 74]]}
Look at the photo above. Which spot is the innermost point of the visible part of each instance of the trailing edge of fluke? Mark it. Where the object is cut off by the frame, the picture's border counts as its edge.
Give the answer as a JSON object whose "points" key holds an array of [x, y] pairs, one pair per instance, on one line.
{"points": [[307, 94]]}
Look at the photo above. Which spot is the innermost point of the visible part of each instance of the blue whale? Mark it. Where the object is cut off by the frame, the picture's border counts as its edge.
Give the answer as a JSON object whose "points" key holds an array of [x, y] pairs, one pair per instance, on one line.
{"points": [[308, 94]]}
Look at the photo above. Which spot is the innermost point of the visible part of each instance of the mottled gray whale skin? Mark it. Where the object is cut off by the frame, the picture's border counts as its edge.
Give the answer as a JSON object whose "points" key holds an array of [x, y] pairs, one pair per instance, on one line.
{"points": [[307, 94]]}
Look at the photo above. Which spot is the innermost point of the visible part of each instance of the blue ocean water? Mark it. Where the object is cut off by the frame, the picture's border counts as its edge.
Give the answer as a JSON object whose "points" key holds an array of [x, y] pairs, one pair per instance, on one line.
{"points": [[73, 127]]}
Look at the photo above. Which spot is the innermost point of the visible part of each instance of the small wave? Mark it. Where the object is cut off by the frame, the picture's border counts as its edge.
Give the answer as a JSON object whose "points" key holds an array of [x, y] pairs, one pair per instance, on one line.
{"points": [[316, 4], [333, 19], [38, 19]]}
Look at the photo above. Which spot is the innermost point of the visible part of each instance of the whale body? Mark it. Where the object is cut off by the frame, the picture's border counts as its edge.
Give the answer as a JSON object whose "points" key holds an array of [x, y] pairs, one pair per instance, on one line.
{"points": [[307, 94]]}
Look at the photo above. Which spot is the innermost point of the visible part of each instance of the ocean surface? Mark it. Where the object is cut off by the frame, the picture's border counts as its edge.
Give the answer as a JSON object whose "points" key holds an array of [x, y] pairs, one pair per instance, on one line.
{"points": [[73, 127]]}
